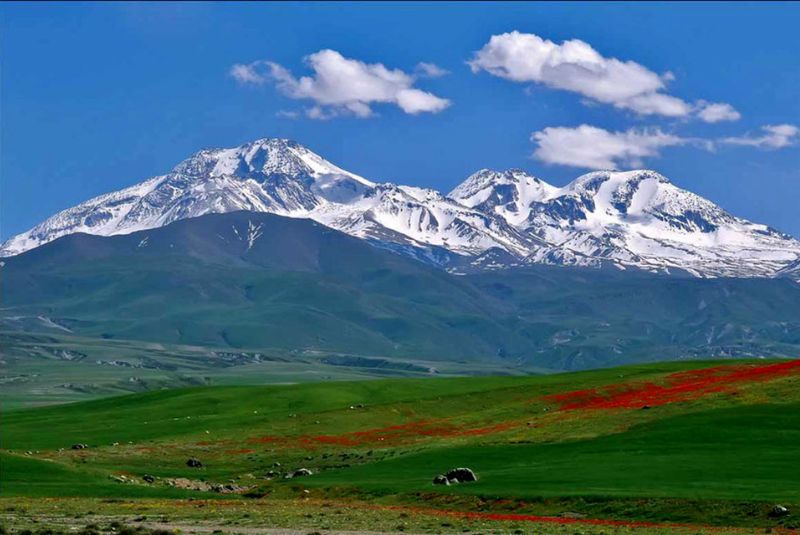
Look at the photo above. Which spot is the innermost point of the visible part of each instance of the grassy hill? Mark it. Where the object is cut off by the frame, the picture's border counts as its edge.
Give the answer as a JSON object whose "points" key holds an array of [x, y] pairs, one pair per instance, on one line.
{"points": [[638, 447]]}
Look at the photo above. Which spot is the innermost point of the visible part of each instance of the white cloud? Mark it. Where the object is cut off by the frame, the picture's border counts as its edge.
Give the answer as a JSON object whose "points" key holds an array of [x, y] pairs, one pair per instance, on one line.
{"points": [[775, 136], [430, 70], [657, 104], [287, 114], [247, 74], [714, 112], [577, 67], [595, 148], [343, 86]]}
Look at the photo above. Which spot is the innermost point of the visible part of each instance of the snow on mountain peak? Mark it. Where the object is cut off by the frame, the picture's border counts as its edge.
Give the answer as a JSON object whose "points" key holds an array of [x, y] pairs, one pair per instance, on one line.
{"points": [[264, 158], [633, 217], [625, 218], [266, 175], [508, 194], [281, 176]]}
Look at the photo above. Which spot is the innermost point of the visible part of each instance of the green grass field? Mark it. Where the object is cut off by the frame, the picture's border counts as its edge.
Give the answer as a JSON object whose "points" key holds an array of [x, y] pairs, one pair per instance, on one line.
{"points": [[59, 367], [698, 443]]}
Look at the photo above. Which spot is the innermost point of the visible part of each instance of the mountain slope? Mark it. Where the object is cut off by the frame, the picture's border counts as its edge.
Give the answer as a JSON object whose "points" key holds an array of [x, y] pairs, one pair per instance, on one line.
{"points": [[493, 220], [255, 281]]}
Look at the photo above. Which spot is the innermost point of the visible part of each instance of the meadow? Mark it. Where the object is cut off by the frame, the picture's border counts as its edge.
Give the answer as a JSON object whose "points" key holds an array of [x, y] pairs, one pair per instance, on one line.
{"points": [[695, 446]]}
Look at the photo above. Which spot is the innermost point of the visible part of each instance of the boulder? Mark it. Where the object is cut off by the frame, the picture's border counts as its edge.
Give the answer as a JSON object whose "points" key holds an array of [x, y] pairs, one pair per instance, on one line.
{"points": [[148, 478], [226, 489], [194, 463], [461, 475], [300, 472], [79, 446], [441, 480], [778, 511]]}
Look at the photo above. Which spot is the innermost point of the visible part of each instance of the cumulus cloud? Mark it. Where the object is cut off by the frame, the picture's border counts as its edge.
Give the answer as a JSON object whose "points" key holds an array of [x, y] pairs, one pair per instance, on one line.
{"points": [[774, 136], [248, 74], [577, 67], [343, 86], [595, 148], [715, 112]]}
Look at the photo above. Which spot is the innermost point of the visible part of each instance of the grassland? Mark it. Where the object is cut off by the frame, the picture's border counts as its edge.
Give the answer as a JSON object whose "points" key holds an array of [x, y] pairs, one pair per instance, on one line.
{"points": [[44, 368], [692, 446]]}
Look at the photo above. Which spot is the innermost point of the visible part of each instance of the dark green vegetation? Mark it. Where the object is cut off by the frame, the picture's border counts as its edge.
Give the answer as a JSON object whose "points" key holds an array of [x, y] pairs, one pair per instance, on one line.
{"points": [[198, 302], [691, 442]]}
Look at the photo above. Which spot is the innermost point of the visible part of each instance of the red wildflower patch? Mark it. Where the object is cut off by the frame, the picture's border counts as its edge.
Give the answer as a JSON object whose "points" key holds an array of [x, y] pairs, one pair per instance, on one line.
{"points": [[387, 436], [680, 386], [213, 442], [404, 433], [266, 439], [517, 517], [243, 451]]}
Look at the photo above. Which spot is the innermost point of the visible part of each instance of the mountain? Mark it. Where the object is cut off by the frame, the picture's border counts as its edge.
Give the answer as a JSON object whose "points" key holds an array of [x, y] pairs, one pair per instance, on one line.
{"points": [[635, 219], [253, 282], [281, 177]]}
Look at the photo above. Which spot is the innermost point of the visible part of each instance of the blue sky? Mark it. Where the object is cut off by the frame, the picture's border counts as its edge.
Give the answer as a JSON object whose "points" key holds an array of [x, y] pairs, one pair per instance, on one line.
{"points": [[99, 96]]}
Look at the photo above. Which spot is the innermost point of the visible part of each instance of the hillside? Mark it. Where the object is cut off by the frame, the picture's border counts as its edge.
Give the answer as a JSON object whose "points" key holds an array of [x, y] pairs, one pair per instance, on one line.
{"points": [[253, 280], [695, 444]]}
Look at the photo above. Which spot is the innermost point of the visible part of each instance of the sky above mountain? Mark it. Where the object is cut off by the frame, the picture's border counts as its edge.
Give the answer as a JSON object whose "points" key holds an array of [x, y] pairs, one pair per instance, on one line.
{"points": [[96, 97]]}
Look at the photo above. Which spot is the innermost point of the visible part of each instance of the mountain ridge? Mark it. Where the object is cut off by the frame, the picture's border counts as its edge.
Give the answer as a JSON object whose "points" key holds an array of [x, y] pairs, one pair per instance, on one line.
{"points": [[630, 219]]}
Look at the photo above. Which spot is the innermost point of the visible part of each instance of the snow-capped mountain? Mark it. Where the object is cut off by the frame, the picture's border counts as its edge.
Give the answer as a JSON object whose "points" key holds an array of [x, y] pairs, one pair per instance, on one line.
{"points": [[493, 219], [284, 178], [633, 218]]}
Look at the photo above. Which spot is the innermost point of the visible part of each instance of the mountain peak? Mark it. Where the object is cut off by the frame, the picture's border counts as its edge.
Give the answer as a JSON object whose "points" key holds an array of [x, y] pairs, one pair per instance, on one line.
{"points": [[262, 159], [593, 180], [509, 194], [628, 218], [478, 186]]}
